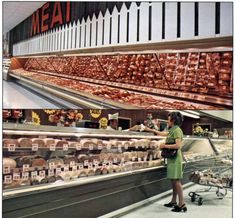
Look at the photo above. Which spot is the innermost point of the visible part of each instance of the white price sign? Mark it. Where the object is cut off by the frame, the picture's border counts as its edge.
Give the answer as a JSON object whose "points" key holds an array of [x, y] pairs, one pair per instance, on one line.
{"points": [[51, 172], [86, 163], [25, 167], [34, 147], [65, 147], [78, 147], [16, 176], [51, 165], [11, 147], [108, 146], [110, 163], [139, 159], [120, 148], [96, 165], [52, 147], [90, 165], [100, 146], [66, 167], [80, 166], [6, 169], [115, 160], [8, 179], [91, 147], [42, 174], [25, 176], [72, 163], [34, 174], [145, 158], [74, 169], [58, 171]]}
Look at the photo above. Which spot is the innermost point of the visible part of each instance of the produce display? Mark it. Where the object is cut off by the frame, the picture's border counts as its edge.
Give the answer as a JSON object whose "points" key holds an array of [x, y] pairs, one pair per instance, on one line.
{"points": [[114, 94], [33, 161], [197, 72]]}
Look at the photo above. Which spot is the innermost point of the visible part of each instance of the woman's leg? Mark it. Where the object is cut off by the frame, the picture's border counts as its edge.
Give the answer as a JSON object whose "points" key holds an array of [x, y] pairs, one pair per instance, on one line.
{"points": [[179, 191], [174, 195]]}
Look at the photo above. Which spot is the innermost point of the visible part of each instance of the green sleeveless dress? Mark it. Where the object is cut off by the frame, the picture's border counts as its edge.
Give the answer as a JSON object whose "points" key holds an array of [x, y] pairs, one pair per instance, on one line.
{"points": [[174, 166]]}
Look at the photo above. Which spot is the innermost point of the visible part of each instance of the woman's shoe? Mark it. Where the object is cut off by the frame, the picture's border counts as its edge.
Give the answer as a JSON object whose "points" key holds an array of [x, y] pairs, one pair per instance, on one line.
{"points": [[170, 204], [179, 209]]}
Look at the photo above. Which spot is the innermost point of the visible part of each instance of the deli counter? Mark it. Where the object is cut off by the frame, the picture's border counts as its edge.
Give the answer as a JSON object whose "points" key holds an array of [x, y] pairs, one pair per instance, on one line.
{"points": [[50, 171]]}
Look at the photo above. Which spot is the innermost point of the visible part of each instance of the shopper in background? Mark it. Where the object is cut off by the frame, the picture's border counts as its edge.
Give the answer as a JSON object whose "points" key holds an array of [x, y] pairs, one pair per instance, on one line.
{"points": [[174, 138], [113, 121]]}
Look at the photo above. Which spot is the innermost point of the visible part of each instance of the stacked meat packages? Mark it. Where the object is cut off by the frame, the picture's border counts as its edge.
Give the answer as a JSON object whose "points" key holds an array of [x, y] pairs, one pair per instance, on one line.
{"points": [[45, 160]]}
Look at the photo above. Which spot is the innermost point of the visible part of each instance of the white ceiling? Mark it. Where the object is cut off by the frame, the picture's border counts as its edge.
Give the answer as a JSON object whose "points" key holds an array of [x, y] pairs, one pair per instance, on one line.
{"points": [[226, 115], [16, 12]]}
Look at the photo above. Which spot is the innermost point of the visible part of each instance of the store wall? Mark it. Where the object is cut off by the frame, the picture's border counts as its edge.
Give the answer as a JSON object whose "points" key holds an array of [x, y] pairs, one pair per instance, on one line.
{"points": [[101, 24], [135, 116]]}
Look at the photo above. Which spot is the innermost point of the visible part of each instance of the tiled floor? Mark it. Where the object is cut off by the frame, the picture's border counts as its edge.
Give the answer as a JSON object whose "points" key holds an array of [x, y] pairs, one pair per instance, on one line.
{"points": [[15, 96], [212, 207]]}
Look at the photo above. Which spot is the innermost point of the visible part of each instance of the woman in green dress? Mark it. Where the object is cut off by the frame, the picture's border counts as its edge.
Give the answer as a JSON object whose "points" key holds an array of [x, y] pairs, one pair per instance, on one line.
{"points": [[174, 138]]}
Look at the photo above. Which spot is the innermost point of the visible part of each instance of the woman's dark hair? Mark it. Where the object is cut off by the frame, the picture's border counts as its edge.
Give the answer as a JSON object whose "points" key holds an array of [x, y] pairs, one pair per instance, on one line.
{"points": [[176, 117]]}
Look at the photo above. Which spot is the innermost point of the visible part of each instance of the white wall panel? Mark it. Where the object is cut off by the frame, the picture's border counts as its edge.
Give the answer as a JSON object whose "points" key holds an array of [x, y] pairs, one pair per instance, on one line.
{"points": [[170, 20]]}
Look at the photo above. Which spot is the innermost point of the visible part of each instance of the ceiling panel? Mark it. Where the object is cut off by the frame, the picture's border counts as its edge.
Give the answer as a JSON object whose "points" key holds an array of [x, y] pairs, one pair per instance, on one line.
{"points": [[16, 12]]}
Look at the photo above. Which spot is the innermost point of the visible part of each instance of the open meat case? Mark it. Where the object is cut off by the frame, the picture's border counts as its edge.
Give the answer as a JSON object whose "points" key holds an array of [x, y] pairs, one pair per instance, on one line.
{"points": [[63, 170], [170, 76]]}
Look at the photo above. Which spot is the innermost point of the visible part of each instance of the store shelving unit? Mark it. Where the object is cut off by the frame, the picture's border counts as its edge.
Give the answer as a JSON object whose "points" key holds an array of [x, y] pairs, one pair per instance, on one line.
{"points": [[95, 191]]}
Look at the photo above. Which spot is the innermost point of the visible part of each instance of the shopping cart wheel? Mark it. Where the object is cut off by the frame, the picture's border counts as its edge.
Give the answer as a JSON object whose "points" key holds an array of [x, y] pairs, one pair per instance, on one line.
{"points": [[200, 201], [193, 196]]}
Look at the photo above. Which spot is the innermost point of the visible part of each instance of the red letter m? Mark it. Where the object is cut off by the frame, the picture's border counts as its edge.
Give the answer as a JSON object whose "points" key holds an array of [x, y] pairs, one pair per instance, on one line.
{"points": [[35, 23]]}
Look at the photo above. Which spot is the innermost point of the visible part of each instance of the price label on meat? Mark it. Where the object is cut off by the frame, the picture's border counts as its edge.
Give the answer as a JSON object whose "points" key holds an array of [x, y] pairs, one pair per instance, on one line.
{"points": [[25, 176], [11, 147], [96, 165], [100, 146], [126, 146], [139, 159], [120, 148], [110, 163], [16, 176], [51, 173], [95, 161], [52, 165], [6, 169], [78, 147], [91, 147], [115, 160], [80, 166], [42, 174], [25, 167], [52, 147], [8, 179], [86, 163], [65, 147], [74, 168], [122, 160], [66, 168], [34, 147], [34, 174], [72, 163], [108, 146], [58, 171], [90, 165], [145, 158]]}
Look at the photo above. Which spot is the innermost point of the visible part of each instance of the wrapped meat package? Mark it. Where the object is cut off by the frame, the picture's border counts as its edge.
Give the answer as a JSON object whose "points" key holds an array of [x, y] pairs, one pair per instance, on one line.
{"points": [[7, 142]]}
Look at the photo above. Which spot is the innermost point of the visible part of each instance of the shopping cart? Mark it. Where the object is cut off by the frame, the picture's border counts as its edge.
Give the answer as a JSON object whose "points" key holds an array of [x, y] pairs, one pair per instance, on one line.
{"points": [[215, 174]]}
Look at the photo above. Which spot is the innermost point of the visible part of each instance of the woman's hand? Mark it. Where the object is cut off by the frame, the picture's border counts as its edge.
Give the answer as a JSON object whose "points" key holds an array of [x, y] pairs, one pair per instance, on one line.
{"points": [[162, 146]]}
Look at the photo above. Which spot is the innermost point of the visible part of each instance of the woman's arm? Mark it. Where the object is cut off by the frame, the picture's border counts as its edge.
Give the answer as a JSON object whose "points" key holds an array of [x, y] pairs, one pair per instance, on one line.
{"points": [[156, 132], [177, 145]]}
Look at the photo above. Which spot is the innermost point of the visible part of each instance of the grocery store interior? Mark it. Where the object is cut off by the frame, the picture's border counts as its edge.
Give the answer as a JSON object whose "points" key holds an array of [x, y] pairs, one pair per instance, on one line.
{"points": [[87, 92], [108, 55], [56, 162]]}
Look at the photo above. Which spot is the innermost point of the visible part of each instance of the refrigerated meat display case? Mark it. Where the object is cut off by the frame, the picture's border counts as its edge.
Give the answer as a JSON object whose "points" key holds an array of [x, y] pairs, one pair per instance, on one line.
{"points": [[51, 171]]}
